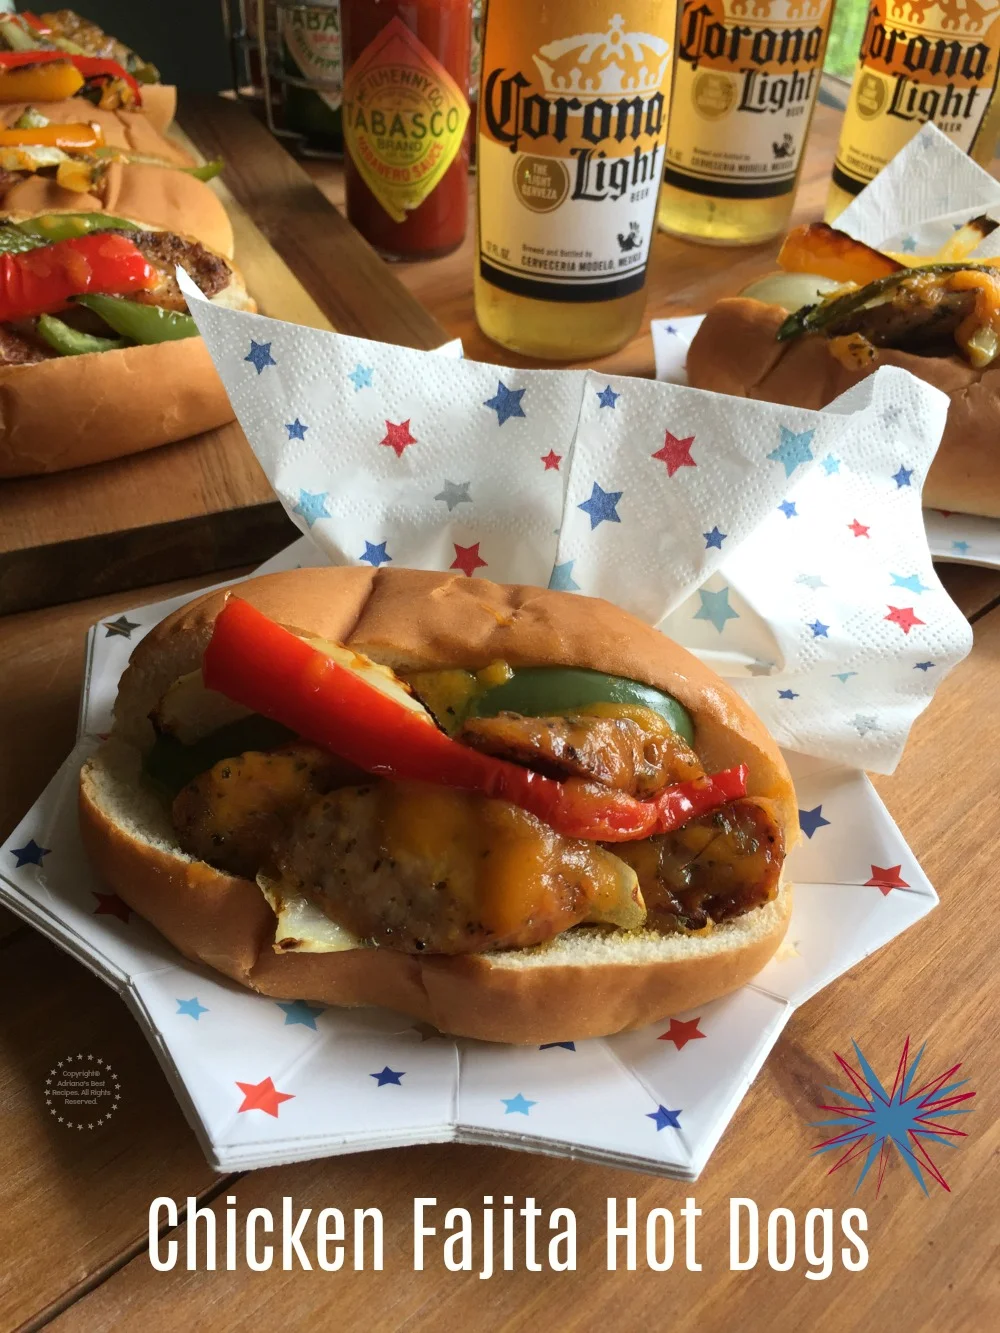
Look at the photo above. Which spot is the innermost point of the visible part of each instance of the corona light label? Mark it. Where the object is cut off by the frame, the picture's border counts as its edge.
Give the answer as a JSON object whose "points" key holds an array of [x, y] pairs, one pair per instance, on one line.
{"points": [[571, 150], [747, 76], [919, 62]]}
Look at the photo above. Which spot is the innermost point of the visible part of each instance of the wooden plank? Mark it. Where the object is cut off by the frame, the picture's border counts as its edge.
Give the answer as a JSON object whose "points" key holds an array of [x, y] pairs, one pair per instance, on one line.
{"points": [[203, 504], [973, 588], [73, 1199], [930, 1261]]}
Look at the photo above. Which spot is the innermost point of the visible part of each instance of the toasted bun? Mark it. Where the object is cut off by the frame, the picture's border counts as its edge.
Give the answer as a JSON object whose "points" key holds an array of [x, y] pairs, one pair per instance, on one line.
{"points": [[735, 352], [159, 104], [582, 984], [155, 196], [74, 410]]}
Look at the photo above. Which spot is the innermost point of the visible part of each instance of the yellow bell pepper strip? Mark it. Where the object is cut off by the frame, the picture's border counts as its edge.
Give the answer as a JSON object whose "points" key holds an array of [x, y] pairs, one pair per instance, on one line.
{"points": [[52, 81], [260, 664], [85, 67], [42, 281], [71, 138]]}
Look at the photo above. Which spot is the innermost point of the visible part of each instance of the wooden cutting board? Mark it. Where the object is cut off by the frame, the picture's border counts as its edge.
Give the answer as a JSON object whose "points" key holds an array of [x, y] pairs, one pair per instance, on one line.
{"points": [[204, 504]]}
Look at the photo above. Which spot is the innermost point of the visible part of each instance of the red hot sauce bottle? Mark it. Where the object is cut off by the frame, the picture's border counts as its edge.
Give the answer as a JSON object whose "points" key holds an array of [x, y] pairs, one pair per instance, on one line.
{"points": [[406, 81]]}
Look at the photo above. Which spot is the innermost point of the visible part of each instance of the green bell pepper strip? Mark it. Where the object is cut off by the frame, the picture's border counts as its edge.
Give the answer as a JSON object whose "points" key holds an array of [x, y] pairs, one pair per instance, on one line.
{"points": [[815, 318], [171, 765], [50, 227], [547, 691], [206, 171], [141, 323], [70, 342]]}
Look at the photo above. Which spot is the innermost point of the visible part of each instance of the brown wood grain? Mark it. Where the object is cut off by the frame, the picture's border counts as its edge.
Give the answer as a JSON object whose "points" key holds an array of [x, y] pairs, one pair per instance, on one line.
{"points": [[67, 1194], [204, 503], [931, 1261]]}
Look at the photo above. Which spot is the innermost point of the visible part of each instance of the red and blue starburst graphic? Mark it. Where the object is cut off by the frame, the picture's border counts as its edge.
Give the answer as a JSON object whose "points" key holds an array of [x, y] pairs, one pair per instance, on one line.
{"points": [[903, 1118]]}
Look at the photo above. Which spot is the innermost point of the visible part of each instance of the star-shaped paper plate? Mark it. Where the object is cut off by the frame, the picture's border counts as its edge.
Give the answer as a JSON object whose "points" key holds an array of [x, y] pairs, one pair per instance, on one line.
{"points": [[951, 536], [263, 1082]]}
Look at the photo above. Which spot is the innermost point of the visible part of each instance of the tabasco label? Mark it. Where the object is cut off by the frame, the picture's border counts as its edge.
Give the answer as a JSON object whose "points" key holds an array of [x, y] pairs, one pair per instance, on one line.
{"points": [[572, 120], [747, 76], [312, 39], [404, 119], [918, 62]]}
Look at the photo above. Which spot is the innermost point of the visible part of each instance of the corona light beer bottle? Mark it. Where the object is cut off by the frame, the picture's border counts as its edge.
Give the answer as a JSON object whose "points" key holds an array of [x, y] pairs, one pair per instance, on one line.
{"points": [[920, 60], [745, 85], [572, 122]]}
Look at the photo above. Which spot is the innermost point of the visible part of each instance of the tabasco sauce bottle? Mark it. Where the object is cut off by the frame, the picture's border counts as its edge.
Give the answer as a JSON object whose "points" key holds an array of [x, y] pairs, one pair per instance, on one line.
{"points": [[747, 76], [405, 110], [918, 61], [573, 103]]}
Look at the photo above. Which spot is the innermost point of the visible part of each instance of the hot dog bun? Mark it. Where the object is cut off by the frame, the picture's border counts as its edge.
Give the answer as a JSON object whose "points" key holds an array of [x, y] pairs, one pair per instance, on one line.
{"points": [[735, 352], [74, 410], [582, 984]]}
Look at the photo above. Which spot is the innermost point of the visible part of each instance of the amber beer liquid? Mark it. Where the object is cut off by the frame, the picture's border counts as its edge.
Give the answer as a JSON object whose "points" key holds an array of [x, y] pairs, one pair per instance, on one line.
{"points": [[572, 124], [918, 62], [745, 85]]}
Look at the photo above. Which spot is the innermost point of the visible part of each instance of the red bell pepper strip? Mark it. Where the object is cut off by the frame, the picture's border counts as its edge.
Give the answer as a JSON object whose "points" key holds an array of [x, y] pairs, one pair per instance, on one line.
{"points": [[42, 281], [91, 67], [260, 664]]}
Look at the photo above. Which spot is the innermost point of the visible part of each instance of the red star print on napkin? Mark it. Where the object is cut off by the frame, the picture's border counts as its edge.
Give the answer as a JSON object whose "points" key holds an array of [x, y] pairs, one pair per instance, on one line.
{"points": [[903, 617], [676, 453], [681, 1031], [552, 461], [263, 1096], [858, 529], [109, 904], [398, 436], [885, 879], [468, 559]]}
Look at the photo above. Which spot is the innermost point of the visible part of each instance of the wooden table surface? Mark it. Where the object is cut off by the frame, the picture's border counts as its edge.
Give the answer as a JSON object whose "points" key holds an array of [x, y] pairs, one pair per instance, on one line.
{"points": [[73, 1225]]}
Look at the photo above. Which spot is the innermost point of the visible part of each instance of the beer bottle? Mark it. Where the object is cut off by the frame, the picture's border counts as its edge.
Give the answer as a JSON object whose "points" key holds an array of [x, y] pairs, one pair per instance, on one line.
{"points": [[745, 85], [918, 61], [572, 122]]}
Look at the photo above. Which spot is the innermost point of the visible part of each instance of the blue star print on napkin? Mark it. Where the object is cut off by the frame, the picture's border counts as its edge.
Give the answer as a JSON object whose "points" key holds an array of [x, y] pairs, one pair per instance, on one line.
{"points": [[715, 608], [260, 356], [506, 403], [561, 579], [376, 555], [312, 505], [601, 507], [793, 450]]}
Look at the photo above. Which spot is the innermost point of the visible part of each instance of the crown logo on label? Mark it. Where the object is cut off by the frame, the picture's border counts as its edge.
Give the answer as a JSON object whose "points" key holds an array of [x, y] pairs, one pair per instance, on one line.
{"points": [[604, 64], [945, 18], [782, 12]]}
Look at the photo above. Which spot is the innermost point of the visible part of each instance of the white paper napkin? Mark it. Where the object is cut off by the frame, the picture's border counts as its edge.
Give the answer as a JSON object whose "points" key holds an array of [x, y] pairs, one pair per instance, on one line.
{"points": [[783, 546]]}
